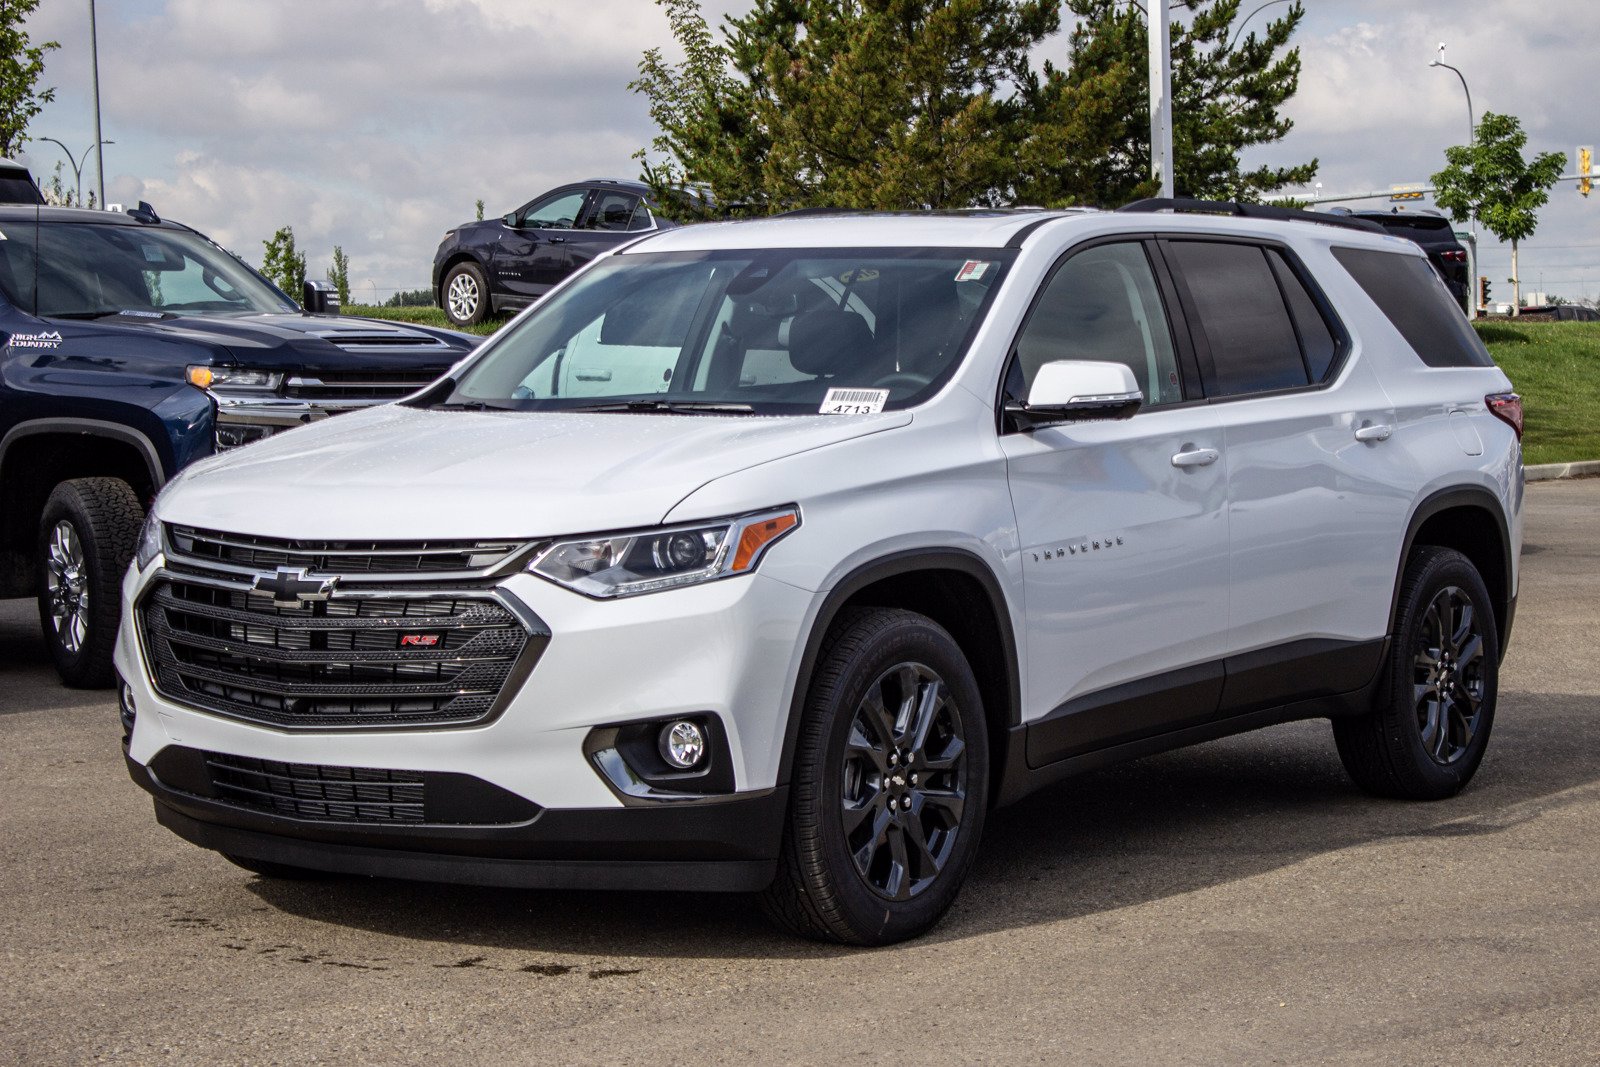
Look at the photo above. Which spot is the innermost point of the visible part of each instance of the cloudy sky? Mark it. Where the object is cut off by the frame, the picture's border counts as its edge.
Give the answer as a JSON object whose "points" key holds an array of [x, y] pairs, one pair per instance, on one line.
{"points": [[375, 124]]}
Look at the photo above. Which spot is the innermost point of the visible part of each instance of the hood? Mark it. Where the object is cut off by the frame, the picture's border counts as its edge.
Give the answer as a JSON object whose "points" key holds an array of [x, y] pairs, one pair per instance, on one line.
{"points": [[405, 473], [292, 341]]}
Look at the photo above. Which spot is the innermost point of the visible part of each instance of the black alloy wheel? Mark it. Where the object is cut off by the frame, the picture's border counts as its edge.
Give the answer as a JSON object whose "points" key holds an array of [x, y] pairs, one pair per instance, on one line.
{"points": [[889, 785], [1430, 723], [904, 782]]}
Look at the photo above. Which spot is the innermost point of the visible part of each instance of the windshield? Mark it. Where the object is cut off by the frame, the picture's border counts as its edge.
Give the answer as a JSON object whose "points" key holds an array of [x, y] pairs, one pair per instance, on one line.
{"points": [[768, 331], [86, 270]]}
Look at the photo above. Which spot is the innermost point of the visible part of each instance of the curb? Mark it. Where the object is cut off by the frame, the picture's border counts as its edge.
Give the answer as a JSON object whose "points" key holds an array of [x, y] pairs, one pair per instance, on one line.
{"points": [[1544, 472]]}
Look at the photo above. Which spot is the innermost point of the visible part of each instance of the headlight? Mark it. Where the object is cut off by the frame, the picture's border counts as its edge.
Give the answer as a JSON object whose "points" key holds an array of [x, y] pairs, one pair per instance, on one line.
{"points": [[649, 561], [234, 379], [150, 545]]}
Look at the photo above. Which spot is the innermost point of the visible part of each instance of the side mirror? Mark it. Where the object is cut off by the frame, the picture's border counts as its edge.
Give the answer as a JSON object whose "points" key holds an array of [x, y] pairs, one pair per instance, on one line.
{"points": [[510, 219], [321, 298], [1075, 391]]}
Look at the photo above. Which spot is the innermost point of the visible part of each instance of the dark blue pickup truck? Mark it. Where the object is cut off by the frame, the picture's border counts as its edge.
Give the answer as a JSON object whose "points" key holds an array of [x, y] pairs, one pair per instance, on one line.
{"points": [[132, 347]]}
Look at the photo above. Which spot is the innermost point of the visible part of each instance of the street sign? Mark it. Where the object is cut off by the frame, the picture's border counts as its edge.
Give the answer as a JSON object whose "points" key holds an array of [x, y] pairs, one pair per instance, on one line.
{"points": [[1405, 196]]}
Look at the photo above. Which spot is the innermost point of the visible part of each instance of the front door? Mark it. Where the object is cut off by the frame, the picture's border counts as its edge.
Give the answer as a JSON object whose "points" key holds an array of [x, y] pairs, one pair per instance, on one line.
{"points": [[532, 255], [1123, 524]]}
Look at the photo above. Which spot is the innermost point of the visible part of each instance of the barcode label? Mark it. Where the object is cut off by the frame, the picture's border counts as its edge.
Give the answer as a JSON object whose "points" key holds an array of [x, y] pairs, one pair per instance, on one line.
{"points": [[854, 401]]}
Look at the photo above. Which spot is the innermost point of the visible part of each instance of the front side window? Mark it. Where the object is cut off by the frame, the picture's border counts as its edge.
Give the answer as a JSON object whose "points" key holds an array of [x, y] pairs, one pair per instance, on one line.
{"points": [[557, 212], [769, 331], [1252, 340], [87, 270], [1101, 305]]}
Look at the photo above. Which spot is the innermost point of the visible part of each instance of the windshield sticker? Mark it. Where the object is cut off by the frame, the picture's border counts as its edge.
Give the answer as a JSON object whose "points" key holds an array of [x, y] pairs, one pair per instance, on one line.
{"points": [[972, 270], [48, 339], [854, 401]]}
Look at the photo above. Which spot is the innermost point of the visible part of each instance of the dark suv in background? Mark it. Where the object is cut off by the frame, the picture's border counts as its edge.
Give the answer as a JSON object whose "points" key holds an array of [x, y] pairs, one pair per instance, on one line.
{"points": [[1436, 235], [505, 264]]}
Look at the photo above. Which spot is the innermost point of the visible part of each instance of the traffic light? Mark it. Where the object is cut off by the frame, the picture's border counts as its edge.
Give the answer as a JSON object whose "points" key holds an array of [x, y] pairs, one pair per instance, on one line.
{"points": [[1483, 291], [1585, 163]]}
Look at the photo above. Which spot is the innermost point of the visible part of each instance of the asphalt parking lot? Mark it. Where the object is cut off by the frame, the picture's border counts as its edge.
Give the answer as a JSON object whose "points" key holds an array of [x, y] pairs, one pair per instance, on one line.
{"points": [[1237, 902]]}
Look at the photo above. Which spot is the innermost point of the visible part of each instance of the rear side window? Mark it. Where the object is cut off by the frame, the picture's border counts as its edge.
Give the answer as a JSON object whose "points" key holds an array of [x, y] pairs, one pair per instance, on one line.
{"points": [[1254, 348], [1417, 304], [1316, 340]]}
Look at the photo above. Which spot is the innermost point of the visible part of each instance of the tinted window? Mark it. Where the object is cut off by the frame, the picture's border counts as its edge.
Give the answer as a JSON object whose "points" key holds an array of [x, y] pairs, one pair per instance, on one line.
{"points": [[1410, 294], [1316, 340], [1103, 305], [1247, 327], [612, 211]]}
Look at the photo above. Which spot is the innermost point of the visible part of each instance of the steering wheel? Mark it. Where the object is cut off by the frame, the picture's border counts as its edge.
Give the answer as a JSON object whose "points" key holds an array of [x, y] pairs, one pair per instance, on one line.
{"points": [[905, 377]]}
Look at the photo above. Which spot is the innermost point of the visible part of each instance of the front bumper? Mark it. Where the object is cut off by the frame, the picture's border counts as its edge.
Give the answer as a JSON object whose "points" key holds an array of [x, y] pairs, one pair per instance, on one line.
{"points": [[726, 844], [728, 649]]}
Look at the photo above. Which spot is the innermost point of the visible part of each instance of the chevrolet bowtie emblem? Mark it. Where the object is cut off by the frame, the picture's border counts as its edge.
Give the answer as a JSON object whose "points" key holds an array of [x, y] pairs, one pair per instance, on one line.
{"points": [[290, 589]]}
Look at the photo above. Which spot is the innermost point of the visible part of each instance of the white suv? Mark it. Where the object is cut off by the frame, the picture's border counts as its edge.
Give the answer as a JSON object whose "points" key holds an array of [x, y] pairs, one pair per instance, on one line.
{"points": [[772, 556]]}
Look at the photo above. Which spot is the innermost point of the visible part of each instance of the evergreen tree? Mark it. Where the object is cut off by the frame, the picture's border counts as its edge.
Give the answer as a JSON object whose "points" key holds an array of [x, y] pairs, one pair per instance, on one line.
{"points": [[1092, 144], [1491, 181], [21, 63], [339, 274], [283, 266]]}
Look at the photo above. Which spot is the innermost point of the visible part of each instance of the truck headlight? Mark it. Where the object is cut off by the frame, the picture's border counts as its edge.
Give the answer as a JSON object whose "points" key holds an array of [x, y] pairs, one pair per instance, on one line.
{"points": [[649, 561], [234, 379]]}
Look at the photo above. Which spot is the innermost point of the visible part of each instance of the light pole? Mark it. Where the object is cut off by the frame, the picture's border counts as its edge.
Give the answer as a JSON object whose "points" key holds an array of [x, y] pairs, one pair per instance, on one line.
{"points": [[1160, 37], [99, 157], [1472, 218], [77, 164], [1247, 18]]}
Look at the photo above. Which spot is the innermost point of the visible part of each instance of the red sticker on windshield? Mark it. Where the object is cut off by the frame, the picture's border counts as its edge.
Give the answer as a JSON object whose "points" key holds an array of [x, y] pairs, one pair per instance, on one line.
{"points": [[972, 270]]}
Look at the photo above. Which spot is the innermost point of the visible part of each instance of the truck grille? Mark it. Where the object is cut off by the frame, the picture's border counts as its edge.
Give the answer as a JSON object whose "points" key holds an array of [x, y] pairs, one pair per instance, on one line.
{"points": [[385, 659], [338, 557], [312, 791], [335, 386]]}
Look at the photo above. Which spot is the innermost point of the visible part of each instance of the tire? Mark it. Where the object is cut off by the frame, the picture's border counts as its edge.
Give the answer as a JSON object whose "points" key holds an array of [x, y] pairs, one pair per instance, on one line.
{"points": [[859, 778], [1429, 727], [280, 871], [87, 535], [465, 294]]}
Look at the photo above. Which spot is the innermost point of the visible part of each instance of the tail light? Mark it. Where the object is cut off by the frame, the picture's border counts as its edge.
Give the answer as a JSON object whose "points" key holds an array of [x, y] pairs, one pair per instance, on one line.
{"points": [[1507, 407], [1453, 257]]}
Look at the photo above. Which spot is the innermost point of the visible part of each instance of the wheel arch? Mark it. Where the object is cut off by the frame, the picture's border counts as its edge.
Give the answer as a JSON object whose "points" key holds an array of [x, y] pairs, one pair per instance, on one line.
{"points": [[960, 592], [455, 260], [1471, 520]]}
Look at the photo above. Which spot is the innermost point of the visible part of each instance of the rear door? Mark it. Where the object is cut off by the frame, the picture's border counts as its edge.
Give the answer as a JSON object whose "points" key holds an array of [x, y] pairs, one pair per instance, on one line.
{"points": [[1123, 524], [613, 217], [1316, 493]]}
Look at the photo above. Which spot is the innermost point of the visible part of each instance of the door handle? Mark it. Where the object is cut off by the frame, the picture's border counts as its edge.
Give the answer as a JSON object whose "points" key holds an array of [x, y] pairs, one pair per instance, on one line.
{"points": [[1374, 433], [1195, 457], [558, 240]]}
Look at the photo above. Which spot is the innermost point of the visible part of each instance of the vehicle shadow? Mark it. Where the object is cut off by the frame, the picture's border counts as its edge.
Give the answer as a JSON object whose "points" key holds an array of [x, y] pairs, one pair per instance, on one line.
{"points": [[1160, 827]]}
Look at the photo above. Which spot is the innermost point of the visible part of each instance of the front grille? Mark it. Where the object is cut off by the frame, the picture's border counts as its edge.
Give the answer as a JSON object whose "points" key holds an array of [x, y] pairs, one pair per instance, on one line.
{"points": [[338, 557], [316, 792], [360, 385], [387, 660]]}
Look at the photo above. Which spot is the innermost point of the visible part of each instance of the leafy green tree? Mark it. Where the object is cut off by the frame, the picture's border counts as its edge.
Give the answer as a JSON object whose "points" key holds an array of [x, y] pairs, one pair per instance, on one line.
{"points": [[1491, 181], [339, 274], [283, 266], [850, 103], [480, 209], [1092, 143], [21, 63]]}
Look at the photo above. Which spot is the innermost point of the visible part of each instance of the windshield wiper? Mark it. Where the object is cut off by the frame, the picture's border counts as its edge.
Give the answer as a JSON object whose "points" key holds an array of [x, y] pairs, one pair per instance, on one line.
{"points": [[675, 407], [103, 313], [468, 405]]}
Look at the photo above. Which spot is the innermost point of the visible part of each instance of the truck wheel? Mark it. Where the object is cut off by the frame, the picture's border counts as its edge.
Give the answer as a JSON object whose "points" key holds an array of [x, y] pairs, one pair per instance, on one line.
{"points": [[466, 295], [890, 784], [1429, 727], [87, 535]]}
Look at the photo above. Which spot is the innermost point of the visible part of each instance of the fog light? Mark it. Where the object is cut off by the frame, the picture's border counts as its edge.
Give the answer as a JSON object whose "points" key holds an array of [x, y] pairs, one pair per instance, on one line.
{"points": [[126, 708], [683, 745]]}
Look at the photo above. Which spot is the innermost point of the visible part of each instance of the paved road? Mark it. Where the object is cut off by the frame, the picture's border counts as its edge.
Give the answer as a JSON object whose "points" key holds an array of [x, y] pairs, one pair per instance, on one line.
{"points": [[1238, 902]]}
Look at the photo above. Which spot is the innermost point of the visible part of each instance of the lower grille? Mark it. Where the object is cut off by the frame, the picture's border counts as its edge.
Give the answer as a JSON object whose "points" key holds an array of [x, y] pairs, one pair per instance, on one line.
{"points": [[316, 792], [431, 659]]}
